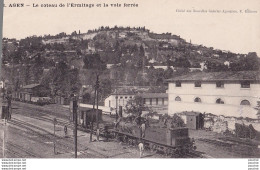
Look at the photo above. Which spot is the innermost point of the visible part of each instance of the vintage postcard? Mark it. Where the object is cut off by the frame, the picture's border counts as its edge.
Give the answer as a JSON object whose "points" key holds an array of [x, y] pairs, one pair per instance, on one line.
{"points": [[130, 79]]}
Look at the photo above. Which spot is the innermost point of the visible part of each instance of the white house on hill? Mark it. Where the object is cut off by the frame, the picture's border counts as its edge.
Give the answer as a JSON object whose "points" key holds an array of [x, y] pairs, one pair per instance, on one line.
{"points": [[1, 84], [220, 93]]}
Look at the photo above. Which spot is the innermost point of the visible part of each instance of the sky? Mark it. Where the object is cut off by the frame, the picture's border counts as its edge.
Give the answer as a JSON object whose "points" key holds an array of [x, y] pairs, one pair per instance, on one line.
{"points": [[235, 32]]}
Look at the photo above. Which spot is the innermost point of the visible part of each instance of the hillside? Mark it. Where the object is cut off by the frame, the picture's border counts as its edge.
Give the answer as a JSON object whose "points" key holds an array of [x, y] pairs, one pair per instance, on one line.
{"points": [[123, 56]]}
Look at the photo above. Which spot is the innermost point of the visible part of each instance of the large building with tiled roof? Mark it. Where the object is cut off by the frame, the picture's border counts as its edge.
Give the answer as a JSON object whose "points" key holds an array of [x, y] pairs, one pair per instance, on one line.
{"points": [[232, 94]]}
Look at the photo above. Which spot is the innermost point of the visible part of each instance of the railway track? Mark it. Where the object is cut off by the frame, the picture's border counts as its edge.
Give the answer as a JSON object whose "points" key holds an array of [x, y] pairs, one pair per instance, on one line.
{"points": [[217, 142], [42, 113], [67, 144], [39, 109], [61, 143], [18, 151]]}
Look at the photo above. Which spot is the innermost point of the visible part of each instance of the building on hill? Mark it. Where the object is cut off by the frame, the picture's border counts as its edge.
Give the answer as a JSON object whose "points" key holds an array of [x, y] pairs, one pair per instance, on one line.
{"points": [[56, 40], [232, 94], [1, 84]]}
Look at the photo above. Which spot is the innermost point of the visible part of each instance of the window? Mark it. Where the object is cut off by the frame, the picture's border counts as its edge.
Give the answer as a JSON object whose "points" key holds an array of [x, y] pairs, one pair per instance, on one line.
{"points": [[144, 101], [151, 101], [178, 84], [116, 97], [162, 101], [245, 102], [121, 97], [156, 101], [219, 101], [177, 98], [125, 97], [130, 97], [245, 84], [197, 84], [109, 103], [219, 84], [197, 99]]}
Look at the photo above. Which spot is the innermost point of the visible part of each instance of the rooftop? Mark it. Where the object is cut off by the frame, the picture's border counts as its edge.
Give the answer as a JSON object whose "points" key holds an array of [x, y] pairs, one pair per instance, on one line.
{"points": [[30, 86], [219, 76], [154, 95]]}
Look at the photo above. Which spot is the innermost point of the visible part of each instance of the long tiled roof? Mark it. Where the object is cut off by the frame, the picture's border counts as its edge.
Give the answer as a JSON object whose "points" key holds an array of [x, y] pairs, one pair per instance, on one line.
{"points": [[30, 86], [154, 95], [214, 76]]}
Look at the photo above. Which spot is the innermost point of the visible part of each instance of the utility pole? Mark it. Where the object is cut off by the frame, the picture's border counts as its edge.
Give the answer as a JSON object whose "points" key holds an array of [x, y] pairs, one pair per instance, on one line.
{"points": [[75, 107], [54, 141], [97, 114], [116, 104], [92, 117], [4, 141]]}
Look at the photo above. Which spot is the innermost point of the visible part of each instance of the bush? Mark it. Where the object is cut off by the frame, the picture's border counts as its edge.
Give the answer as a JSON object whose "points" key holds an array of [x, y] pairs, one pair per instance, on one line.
{"points": [[243, 131]]}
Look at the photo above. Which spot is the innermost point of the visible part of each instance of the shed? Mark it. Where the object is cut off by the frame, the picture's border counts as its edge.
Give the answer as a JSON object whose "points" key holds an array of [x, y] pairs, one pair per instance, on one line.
{"points": [[85, 115], [195, 120], [33, 90]]}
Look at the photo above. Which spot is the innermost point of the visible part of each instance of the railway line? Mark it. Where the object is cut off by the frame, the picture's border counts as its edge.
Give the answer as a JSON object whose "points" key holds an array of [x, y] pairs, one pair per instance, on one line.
{"points": [[64, 144], [39, 110], [40, 113], [18, 151]]}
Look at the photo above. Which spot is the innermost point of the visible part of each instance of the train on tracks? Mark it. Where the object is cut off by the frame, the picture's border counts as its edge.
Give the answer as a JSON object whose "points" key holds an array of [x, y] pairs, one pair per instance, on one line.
{"points": [[173, 142]]}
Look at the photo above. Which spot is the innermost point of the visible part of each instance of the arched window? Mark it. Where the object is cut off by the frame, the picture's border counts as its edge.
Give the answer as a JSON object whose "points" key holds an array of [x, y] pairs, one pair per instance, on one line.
{"points": [[177, 98], [245, 102], [197, 99], [219, 101]]}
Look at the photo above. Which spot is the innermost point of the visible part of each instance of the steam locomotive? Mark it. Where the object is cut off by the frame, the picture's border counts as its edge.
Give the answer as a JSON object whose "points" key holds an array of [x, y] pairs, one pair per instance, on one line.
{"points": [[174, 142]]}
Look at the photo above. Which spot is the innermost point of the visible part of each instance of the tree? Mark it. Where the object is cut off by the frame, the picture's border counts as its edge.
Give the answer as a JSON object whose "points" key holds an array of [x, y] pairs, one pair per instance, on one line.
{"points": [[168, 73], [93, 61], [252, 61], [62, 80], [105, 88], [135, 106], [86, 98], [74, 33]]}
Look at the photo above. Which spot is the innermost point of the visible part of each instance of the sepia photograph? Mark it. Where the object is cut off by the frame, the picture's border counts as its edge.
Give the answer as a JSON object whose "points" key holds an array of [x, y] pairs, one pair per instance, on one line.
{"points": [[130, 79]]}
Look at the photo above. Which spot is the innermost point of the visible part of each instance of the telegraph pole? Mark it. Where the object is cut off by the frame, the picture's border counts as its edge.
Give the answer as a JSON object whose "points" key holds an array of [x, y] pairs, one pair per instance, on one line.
{"points": [[75, 107], [97, 114], [92, 117], [54, 141], [116, 104], [4, 142]]}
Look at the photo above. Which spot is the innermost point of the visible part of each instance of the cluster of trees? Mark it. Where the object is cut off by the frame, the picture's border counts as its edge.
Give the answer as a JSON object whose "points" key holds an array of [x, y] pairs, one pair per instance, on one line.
{"points": [[107, 28], [135, 106], [250, 62], [62, 80], [179, 62], [93, 61]]}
